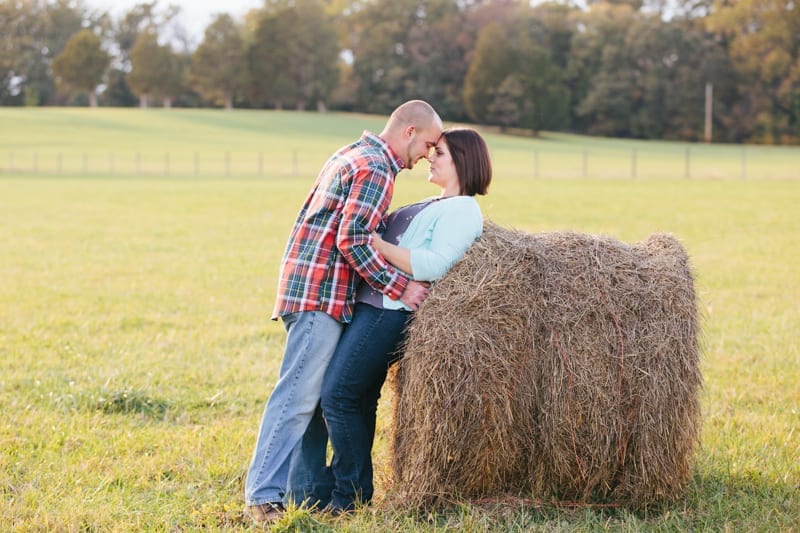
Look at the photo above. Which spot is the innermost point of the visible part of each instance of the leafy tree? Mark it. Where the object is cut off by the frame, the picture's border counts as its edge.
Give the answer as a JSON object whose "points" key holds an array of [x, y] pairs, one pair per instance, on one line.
{"points": [[554, 26], [144, 17], [382, 60], [490, 63], [635, 4], [406, 49], [345, 93], [667, 80], [315, 69], [762, 39], [31, 34], [65, 18], [21, 28], [507, 103], [117, 92], [218, 70], [141, 18], [80, 66], [155, 70], [144, 76], [639, 76], [175, 68], [269, 59], [439, 48], [505, 59], [293, 55], [672, 64], [596, 71]]}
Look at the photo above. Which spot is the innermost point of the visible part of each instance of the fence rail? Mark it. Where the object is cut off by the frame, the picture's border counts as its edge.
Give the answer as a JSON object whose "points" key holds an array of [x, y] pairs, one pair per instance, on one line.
{"points": [[701, 162], [142, 164]]}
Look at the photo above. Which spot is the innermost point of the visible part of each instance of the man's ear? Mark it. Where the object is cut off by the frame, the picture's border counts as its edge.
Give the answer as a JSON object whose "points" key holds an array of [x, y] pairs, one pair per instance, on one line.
{"points": [[409, 131]]}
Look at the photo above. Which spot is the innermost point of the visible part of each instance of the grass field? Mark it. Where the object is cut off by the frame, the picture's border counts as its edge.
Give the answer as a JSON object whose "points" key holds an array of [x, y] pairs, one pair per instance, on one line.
{"points": [[136, 352]]}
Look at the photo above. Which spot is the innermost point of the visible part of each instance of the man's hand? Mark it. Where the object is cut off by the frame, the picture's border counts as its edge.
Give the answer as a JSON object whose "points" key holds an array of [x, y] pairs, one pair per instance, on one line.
{"points": [[415, 294]]}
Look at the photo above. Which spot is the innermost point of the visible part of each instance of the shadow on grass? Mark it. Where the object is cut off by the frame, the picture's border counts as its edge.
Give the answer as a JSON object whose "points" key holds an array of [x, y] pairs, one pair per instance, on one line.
{"points": [[748, 500], [131, 401], [126, 401], [719, 500]]}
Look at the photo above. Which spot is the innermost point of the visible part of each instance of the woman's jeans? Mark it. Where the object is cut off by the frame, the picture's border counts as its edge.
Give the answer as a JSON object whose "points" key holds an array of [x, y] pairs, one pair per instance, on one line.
{"points": [[290, 451], [350, 393]]}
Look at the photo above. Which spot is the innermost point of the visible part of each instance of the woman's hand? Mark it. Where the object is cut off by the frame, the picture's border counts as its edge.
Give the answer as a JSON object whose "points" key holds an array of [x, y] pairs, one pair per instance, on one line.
{"points": [[378, 242]]}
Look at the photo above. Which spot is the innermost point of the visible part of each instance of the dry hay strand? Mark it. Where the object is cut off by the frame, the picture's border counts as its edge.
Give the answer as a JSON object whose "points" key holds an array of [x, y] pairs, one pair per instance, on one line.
{"points": [[557, 365]]}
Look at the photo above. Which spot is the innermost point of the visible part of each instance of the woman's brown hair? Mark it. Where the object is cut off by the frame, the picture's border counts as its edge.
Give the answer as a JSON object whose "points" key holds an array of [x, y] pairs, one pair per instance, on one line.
{"points": [[471, 158]]}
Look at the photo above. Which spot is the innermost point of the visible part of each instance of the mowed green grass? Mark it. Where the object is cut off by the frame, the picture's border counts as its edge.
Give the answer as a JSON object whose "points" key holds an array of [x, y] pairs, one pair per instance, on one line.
{"points": [[136, 350]]}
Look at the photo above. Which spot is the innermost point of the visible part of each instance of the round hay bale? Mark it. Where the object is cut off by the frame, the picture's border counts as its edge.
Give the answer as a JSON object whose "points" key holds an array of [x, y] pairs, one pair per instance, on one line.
{"points": [[553, 365]]}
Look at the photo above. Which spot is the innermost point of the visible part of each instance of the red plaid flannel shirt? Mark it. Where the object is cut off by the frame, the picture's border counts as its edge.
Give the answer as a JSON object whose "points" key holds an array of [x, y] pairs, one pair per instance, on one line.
{"points": [[329, 248]]}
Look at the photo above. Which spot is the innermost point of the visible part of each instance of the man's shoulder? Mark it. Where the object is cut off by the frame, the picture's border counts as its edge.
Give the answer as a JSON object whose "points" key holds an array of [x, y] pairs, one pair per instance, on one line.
{"points": [[364, 154]]}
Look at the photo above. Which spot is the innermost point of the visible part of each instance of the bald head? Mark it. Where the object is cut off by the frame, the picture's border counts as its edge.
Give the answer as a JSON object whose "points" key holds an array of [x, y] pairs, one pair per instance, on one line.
{"points": [[413, 113], [412, 130]]}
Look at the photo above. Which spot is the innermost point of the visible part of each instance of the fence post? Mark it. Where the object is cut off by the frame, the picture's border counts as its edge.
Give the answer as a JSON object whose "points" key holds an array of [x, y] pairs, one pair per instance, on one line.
{"points": [[687, 175], [633, 163]]}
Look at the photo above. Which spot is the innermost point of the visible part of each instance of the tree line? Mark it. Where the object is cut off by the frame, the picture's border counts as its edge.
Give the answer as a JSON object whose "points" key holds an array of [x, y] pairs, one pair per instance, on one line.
{"points": [[625, 68]]}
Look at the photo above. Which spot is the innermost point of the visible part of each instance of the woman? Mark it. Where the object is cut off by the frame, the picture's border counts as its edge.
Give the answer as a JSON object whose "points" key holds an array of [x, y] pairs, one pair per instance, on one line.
{"points": [[424, 240]]}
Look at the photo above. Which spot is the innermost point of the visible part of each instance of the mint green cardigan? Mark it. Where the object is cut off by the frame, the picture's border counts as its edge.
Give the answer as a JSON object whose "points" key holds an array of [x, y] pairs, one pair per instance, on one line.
{"points": [[438, 236]]}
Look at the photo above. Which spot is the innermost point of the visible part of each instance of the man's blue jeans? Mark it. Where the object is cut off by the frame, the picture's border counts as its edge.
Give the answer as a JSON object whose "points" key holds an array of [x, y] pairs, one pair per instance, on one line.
{"points": [[290, 450], [350, 395]]}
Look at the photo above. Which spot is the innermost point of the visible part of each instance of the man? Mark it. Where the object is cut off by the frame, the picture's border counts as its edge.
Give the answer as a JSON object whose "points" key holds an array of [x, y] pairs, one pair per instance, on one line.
{"points": [[329, 250]]}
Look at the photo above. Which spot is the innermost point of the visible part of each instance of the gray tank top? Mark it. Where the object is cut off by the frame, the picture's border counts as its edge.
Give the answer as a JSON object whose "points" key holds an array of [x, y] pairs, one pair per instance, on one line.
{"points": [[396, 225]]}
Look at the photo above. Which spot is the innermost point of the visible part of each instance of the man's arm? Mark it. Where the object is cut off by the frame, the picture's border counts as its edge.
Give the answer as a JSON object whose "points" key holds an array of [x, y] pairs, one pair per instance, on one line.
{"points": [[395, 255], [370, 194]]}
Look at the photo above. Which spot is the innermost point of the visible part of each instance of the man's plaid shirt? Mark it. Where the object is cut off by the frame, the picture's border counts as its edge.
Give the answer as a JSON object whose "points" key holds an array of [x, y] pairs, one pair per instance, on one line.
{"points": [[329, 248]]}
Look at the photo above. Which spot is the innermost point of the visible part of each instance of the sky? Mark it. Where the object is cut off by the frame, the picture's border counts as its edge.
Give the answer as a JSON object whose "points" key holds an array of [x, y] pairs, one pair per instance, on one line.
{"points": [[195, 15]]}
